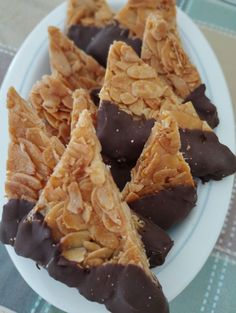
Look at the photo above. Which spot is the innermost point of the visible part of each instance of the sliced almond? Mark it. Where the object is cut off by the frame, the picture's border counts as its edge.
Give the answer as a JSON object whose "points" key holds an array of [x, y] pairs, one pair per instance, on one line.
{"points": [[75, 255], [74, 240], [103, 253]]}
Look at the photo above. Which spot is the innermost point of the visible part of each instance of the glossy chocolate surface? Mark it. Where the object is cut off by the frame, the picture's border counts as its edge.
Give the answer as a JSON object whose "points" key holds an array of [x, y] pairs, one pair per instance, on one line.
{"points": [[205, 108], [156, 241], [120, 284], [82, 35], [13, 212], [124, 288], [97, 42], [120, 171], [206, 156], [34, 240], [122, 138], [168, 207]]}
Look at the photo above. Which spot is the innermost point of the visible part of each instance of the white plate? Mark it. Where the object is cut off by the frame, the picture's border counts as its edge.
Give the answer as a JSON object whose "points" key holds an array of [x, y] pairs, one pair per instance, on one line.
{"points": [[196, 236]]}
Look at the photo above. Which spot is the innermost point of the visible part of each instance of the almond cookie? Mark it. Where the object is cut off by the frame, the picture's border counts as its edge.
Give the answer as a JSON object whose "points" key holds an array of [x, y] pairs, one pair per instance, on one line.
{"points": [[84, 234], [32, 156], [163, 50], [161, 187]]}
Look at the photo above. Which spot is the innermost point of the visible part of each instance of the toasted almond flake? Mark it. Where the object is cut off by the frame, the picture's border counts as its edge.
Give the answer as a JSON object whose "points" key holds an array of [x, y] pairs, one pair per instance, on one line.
{"points": [[103, 253], [75, 255], [74, 240], [75, 198]]}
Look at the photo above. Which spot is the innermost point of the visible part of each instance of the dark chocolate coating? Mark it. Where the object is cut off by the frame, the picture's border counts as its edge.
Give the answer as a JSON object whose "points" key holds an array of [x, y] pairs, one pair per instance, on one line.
{"points": [[82, 35], [100, 45], [156, 241], [94, 94], [121, 288], [168, 207], [13, 212], [205, 108], [120, 171], [34, 240], [206, 156], [122, 138]]}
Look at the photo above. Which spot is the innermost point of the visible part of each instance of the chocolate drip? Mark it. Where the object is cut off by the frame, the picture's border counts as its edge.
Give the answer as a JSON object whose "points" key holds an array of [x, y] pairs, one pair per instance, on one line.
{"points": [[13, 212], [205, 108], [82, 35], [122, 138], [168, 207], [100, 45], [34, 240], [124, 288], [206, 156], [156, 242]]}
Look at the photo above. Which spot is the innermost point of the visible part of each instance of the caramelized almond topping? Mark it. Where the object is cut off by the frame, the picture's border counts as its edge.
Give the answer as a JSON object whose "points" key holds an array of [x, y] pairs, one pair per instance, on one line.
{"points": [[32, 154], [162, 49], [83, 207], [160, 165], [133, 85], [89, 13]]}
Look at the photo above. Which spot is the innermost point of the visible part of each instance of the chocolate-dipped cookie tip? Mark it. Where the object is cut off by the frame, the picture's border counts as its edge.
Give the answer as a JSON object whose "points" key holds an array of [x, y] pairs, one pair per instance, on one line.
{"points": [[206, 110], [34, 239], [161, 187], [13, 212], [84, 233]]}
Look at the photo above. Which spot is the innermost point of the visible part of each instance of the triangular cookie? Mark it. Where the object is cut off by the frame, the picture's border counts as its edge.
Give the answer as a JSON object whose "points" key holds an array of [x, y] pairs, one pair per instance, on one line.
{"points": [[161, 187], [131, 98], [81, 210], [156, 250], [89, 13], [163, 50], [85, 19], [133, 85], [32, 156], [134, 14], [52, 100], [76, 68], [206, 156]]}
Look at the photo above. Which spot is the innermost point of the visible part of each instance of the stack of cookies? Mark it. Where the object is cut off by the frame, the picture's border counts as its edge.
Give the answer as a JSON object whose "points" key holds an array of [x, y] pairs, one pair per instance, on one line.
{"points": [[106, 155]]}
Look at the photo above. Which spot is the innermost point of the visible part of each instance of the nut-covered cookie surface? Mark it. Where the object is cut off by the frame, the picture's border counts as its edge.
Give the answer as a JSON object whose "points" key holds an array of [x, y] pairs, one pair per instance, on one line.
{"points": [[133, 85], [77, 68], [134, 14], [160, 176], [163, 50], [82, 101], [52, 100], [161, 165], [102, 160], [32, 155], [89, 13], [84, 211]]}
